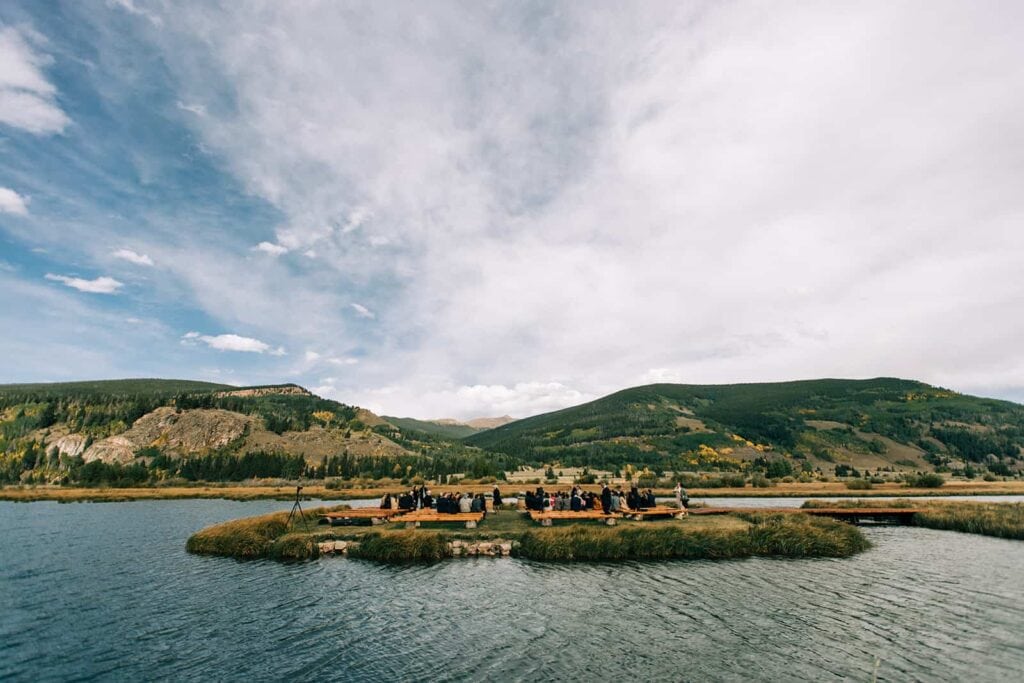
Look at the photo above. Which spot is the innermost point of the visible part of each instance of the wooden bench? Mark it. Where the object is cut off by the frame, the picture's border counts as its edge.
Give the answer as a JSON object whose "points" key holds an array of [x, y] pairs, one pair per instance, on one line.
{"points": [[657, 511], [375, 515], [415, 518], [546, 518]]}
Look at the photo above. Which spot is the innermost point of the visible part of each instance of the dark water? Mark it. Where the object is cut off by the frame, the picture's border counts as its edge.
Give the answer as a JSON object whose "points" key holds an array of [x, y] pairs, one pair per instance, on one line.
{"points": [[106, 592]]}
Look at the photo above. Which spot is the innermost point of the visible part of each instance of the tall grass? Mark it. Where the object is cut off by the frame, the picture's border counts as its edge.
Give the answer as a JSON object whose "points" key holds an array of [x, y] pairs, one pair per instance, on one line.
{"points": [[243, 538], [1002, 520], [783, 535], [797, 535], [255, 537], [402, 546]]}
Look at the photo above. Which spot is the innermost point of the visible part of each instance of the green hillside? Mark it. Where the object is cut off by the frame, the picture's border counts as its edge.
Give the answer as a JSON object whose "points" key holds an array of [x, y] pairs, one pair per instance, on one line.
{"points": [[151, 431], [788, 426], [114, 387], [447, 431]]}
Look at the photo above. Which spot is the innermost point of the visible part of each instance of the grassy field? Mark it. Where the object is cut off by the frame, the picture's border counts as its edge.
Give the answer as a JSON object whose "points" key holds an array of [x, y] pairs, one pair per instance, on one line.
{"points": [[319, 492], [726, 537], [1002, 520]]}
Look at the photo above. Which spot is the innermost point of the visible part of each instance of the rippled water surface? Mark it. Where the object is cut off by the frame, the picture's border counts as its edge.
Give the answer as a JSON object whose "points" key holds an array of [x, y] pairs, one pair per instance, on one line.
{"points": [[106, 591]]}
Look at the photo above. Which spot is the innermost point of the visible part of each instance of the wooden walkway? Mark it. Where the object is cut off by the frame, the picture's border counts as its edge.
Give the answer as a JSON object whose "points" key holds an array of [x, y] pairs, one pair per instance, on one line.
{"points": [[415, 518], [854, 515], [378, 515], [657, 511], [546, 518]]}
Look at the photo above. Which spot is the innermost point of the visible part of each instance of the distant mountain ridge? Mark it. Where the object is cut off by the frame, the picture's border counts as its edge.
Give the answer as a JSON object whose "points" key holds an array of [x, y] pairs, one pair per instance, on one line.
{"points": [[448, 427], [806, 425], [153, 430]]}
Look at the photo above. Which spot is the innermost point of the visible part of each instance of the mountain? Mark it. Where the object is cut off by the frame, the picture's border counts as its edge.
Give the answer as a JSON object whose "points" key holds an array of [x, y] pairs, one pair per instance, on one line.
{"points": [[449, 428], [790, 426], [490, 422], [183, 428]]}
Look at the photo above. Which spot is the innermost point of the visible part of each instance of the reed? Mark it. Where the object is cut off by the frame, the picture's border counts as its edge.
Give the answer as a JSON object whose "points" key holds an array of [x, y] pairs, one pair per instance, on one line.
{"points": [[402, 546], [255, 537], [1002, 520], [782, 535]]}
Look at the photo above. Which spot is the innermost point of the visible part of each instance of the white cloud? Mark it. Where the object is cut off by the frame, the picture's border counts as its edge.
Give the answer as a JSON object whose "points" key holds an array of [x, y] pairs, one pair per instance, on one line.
{"points": [[595, 196], [27, 99], [197, 109], [133, 257], [231, 342], [130, 7], [271, 248], [312, 356], [362, 311], [101, 285], [12, 202]]}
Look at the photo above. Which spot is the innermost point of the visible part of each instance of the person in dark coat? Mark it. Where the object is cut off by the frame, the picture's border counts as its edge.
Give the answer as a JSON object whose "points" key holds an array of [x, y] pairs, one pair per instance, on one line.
{"points": [[606, 499], [633, 499], [497, 498], [577, 503]]}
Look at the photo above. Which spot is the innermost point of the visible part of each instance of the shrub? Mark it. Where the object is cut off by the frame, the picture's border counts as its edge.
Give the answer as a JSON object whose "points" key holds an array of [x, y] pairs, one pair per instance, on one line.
{"points": [[929, 480], [734, 480], [760, 481], [858, 484]]}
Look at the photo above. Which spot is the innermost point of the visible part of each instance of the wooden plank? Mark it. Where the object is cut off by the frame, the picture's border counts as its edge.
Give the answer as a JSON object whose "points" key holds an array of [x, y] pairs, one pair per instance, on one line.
{"points": [[659, 511], [569, 514], [363, 513], [433, 516]]}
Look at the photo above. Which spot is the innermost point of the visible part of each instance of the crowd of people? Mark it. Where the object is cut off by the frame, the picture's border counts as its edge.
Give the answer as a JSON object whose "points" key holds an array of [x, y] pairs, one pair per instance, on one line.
{"points": [[576, 500], [419, 498]]}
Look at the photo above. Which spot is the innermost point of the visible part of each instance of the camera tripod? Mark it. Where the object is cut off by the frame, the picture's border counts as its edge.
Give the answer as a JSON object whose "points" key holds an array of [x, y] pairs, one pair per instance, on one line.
{"points": [[297, 507]]}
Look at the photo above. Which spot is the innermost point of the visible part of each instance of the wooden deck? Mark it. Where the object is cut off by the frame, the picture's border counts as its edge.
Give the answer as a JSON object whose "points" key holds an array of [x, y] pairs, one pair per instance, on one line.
{"points": [[415, 518], [854, 515], [657, 511], [546, 518], [378, 515]]}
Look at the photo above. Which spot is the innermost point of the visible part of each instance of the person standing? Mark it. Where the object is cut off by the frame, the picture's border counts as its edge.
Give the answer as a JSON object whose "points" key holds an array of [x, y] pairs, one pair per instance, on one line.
{"points": [[681, 498], [497, 498], [606, 499]]}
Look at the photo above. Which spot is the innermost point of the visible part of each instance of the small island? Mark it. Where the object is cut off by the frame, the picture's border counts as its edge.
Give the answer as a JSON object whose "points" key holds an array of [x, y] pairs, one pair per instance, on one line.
{"points": [[734, 534]]}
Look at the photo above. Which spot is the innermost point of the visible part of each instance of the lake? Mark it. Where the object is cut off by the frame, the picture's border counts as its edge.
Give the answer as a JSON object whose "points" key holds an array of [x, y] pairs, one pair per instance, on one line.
{"points": [[92, 591]]}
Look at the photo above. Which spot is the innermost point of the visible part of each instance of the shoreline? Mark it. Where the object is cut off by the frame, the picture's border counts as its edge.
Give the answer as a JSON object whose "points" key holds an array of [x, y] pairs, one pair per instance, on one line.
{"points": [[312, 492], [510, 532]]}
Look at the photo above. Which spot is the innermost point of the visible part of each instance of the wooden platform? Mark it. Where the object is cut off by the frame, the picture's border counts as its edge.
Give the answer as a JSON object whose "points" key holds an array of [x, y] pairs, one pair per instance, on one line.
{"points": [[657, 511], [546, 518], [854, 515], [378, 515], [415, 518]]}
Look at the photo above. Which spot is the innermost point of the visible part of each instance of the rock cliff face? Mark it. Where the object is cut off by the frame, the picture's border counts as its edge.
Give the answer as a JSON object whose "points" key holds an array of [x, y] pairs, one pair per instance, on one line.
{"points": [[71, 445], [291, 390], [184, 432]]}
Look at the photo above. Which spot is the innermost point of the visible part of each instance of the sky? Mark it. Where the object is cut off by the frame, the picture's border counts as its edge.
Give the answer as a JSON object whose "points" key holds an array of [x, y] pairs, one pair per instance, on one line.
{"points": [[461, 209]]}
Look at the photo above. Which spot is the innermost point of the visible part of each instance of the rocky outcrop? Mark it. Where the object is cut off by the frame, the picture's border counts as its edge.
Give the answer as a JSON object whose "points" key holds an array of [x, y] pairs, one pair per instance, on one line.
{"points": [[189, 431], [287, 390], [173, 431], [484, 548], [71, 445], [116, 449]]}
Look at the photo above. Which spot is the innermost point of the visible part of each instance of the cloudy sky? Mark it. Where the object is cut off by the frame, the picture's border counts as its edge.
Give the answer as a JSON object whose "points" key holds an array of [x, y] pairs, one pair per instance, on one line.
{"points": [[462, 209]]}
